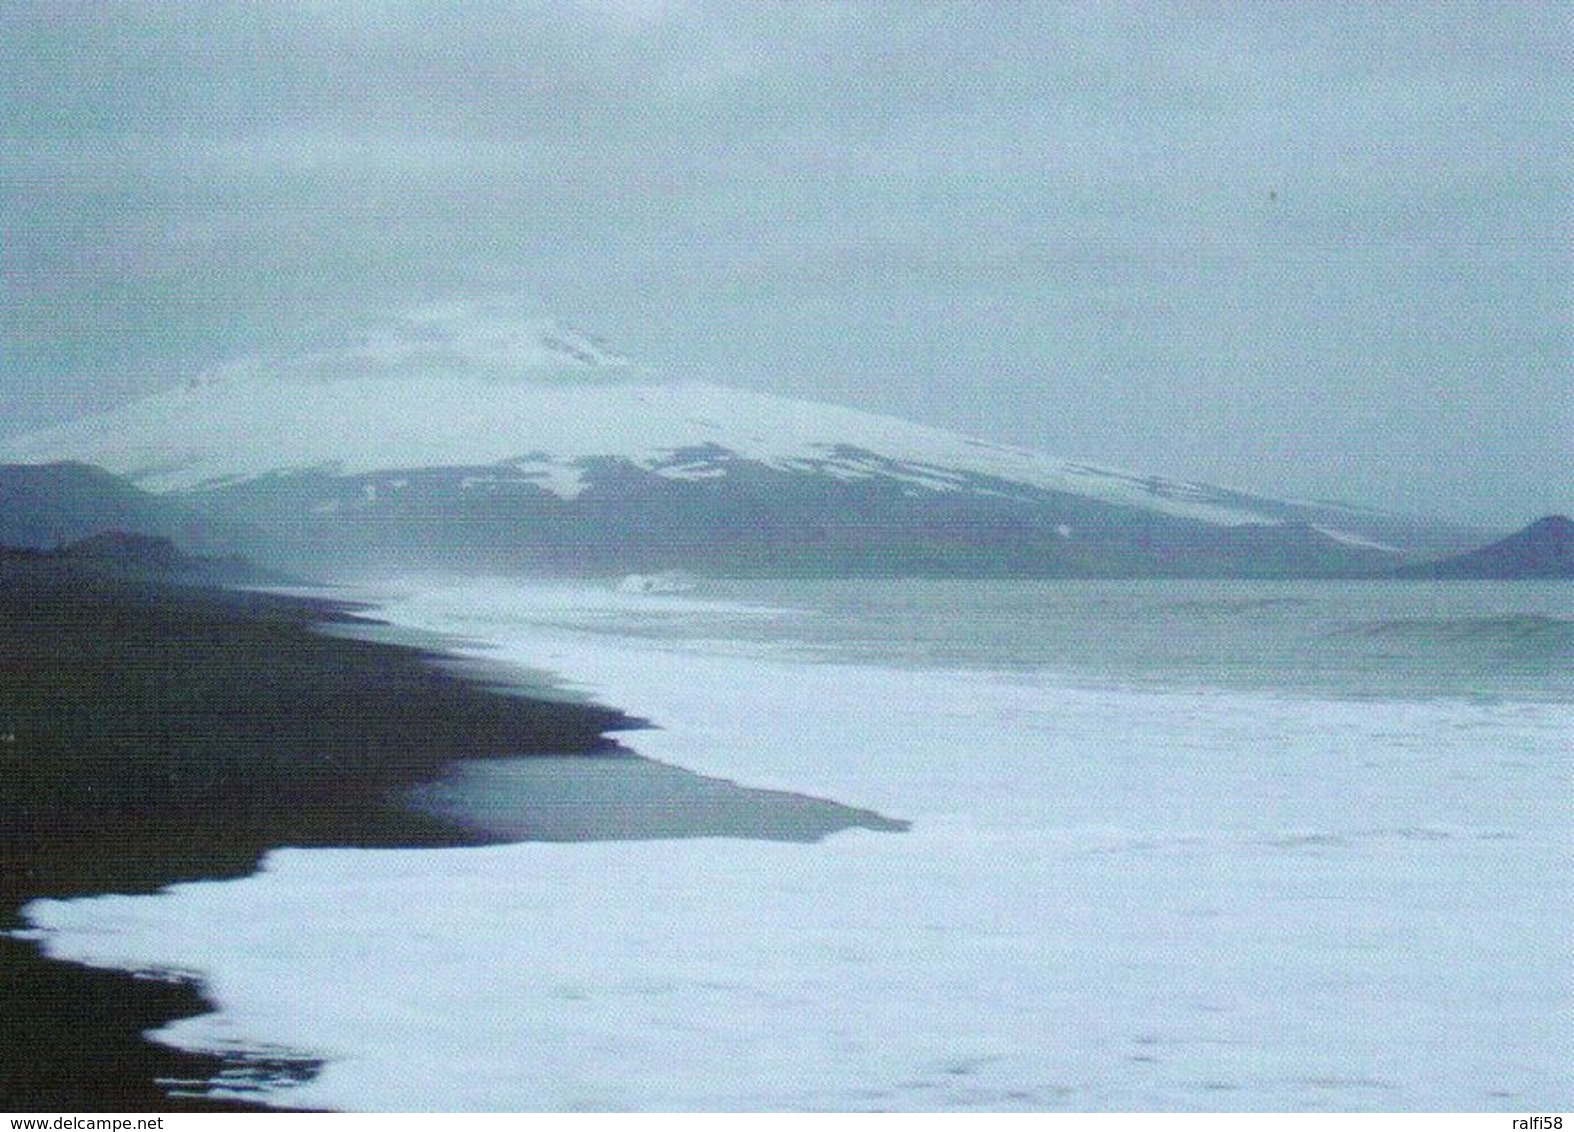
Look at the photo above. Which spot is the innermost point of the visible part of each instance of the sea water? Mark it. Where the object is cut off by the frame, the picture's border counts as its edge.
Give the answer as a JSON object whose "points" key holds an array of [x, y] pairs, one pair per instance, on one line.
{"points": [[1176, 846]]}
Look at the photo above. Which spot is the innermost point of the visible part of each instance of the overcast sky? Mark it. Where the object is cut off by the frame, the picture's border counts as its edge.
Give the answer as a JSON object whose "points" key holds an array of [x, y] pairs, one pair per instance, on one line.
{"points": [[1320, 250]]}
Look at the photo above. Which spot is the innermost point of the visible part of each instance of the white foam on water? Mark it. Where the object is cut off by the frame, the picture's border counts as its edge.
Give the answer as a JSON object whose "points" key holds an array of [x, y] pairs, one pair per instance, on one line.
{"points": [[1107, 900]]}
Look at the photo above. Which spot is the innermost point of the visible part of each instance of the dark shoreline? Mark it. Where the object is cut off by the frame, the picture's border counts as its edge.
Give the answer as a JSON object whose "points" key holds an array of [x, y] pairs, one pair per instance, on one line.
{"points": [[152, 734]]}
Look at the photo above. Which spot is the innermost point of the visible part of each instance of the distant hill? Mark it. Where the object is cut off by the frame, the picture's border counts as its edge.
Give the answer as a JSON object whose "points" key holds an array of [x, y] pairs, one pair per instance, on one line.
{"points": [[132, 557], [46, 506], [1545, 549]]}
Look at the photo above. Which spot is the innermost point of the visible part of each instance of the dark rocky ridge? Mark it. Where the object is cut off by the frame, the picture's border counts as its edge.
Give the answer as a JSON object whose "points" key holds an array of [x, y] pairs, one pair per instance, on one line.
{"points": [[126, 555], [855, 514], [1544, 549], [47, 506], [744, 518]]}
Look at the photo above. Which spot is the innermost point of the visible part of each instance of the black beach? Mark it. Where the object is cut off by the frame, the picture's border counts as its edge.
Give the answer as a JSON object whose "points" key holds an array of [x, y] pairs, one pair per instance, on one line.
{"points": [[152, 734]]}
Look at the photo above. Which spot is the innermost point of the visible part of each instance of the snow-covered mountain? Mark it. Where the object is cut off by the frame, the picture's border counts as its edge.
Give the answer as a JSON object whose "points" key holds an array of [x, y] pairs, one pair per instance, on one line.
{"points": [[464, 433]]}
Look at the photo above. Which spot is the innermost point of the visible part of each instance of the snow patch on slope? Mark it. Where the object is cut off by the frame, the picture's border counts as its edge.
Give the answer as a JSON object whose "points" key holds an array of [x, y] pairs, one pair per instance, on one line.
{"points": [[191, 439], [1349, 539]]}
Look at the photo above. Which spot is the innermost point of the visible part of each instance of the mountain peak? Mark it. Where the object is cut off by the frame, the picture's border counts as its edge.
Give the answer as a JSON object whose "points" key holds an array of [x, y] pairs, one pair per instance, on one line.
{"points": [[1544, 549], [490, 339], [496, 332], [1558, 527]]}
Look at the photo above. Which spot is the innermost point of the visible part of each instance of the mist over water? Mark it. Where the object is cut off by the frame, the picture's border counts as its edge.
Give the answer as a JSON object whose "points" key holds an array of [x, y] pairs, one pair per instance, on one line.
{"points": [[1357, 639]]}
